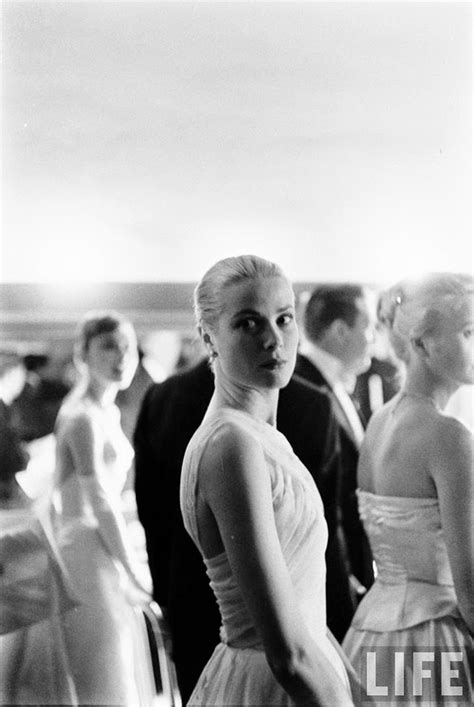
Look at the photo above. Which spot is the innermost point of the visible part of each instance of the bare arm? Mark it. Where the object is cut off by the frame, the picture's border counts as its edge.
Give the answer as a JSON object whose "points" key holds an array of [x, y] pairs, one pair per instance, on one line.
{"points": [[359, 696], [85, 443], [452, 472], [235, 484]]}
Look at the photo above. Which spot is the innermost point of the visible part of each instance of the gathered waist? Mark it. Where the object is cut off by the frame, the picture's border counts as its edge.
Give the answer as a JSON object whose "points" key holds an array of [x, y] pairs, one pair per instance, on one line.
{"points": [[389, 606], [241, 642], [391, 576]]}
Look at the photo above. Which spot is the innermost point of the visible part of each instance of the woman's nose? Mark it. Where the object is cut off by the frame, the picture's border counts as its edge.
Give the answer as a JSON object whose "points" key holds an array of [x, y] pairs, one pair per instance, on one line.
{"points": [[272, 338]]}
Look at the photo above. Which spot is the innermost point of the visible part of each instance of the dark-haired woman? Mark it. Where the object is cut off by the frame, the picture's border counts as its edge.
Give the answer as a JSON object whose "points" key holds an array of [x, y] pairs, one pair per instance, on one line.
{"points": [[105, 641]]}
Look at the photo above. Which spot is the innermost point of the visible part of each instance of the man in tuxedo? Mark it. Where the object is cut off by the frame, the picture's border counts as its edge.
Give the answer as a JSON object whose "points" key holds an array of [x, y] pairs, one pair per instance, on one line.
{"points": [[171, 412], [339, 327]]}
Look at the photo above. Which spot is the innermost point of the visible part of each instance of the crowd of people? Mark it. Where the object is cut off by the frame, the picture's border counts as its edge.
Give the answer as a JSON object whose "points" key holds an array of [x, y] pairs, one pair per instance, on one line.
{"points": [[307, 506]]}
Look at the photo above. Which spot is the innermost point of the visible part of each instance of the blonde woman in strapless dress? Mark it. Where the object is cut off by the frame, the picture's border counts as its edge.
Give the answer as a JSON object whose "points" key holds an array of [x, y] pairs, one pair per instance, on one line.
{"points": [[416, 502], [253, 509]]}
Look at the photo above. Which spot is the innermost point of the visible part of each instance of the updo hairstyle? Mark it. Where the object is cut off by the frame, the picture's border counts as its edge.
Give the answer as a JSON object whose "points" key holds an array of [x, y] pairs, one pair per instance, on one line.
{"points": [[96, 323], [229, 271], [418, 307]]}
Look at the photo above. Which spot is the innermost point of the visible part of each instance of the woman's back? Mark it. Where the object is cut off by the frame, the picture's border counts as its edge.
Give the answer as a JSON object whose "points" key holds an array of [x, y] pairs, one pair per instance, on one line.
{"points": [[401, 446]]}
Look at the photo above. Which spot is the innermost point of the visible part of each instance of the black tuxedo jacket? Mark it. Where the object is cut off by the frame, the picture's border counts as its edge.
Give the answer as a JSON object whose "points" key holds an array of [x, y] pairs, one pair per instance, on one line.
{"points": [[171, 412], [358, 550], [389, 377]]}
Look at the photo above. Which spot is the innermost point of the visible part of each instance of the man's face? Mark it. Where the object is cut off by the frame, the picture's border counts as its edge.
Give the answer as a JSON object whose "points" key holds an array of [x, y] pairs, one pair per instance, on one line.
{"points": [[359, 339]]}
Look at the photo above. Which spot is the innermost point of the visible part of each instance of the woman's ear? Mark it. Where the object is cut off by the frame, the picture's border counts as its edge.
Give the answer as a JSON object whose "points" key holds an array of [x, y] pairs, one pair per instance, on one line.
{"points": [[206, 337], [419, 346]]}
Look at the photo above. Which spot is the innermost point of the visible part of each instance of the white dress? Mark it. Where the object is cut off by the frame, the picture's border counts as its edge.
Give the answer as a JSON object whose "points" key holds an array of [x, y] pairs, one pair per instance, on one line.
{"points": [[411, 607], [105, 635], [34, 596], [237, 672]]}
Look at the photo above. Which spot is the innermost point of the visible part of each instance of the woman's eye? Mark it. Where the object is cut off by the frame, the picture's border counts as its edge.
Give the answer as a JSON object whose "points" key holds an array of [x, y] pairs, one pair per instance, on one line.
{"points": [[247, 324], [286, 318]]}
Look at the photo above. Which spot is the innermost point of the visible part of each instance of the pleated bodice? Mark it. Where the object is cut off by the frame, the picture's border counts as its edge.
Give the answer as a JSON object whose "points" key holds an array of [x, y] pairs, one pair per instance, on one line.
{"points": [[414, 581], [299, 520]]}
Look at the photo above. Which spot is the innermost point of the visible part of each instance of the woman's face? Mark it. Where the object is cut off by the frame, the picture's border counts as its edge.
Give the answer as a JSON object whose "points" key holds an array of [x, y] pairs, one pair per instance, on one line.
{"points": [[451, 349], [112, 357], [256, 334]]}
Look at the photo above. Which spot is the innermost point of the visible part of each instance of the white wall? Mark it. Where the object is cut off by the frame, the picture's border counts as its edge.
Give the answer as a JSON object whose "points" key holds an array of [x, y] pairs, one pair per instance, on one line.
{"points": [[142, 141]]}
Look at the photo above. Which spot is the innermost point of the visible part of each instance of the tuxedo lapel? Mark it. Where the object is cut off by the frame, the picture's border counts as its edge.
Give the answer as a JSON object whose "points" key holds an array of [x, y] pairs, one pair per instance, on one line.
{"points": [[306, 369]]}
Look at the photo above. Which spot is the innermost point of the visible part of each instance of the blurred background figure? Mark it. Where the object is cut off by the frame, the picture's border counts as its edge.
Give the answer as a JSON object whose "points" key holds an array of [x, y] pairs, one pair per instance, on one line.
{"points": [[36, 408], [130, 399], [33, 587], [379, 383], [13, 455], [105, 637], [339, 324]]}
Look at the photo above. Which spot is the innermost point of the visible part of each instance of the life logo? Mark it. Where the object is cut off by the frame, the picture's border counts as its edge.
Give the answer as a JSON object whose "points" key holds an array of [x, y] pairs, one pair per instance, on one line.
{"points": [[428, 675]]}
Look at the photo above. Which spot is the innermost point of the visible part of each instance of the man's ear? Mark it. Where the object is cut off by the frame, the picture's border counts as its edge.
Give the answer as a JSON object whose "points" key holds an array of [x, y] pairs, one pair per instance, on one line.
{"points": [[339, 328]]}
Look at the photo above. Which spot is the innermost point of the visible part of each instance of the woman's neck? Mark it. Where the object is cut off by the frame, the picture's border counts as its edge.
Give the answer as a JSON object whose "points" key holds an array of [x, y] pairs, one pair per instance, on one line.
{"points": [[103, 394], [261, 404], [421, 383]]}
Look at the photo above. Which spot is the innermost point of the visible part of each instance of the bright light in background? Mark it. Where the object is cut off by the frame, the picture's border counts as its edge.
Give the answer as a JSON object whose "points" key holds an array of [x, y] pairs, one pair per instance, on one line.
{"points": [[344, 158], [104, 258]]}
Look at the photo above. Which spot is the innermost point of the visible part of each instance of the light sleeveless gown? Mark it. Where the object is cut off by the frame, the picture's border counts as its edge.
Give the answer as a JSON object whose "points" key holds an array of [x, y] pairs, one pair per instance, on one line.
{"points": [[237, 672], [411, 607], [105, 635]]}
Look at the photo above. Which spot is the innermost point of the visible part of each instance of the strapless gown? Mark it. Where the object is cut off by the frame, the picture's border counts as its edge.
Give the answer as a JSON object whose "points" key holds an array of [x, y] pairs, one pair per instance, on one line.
{"points": [[34, 596], [105, 635], [237, 672], [411, 608]]}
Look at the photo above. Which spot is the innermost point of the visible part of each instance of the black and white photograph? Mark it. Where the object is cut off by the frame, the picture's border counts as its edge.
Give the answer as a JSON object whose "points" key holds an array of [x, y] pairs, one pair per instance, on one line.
{"points": [[236, 353]]}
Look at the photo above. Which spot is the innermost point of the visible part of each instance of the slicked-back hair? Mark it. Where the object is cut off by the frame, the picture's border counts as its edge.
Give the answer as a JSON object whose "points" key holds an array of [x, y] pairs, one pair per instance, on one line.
{"points": [[229, 271], [328, 303]]}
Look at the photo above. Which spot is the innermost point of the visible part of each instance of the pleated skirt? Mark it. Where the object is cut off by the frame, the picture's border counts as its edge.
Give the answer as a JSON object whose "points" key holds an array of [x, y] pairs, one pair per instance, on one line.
{"points": [[236, 677], [427, 665]]}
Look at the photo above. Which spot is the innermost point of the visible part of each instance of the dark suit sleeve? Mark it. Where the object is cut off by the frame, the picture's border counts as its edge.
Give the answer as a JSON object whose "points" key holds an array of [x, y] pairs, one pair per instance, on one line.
{"points": [[358, 548], [13, 457], [340, 602], [154, 514]]}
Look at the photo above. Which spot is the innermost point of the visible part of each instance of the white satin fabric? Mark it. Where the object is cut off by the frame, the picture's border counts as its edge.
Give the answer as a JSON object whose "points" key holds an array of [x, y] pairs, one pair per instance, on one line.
{"points": [[412, 605]]}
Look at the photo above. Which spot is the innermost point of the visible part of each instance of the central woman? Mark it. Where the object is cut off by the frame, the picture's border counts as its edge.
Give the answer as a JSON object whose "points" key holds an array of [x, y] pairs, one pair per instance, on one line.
{"points": [[253, 509]]}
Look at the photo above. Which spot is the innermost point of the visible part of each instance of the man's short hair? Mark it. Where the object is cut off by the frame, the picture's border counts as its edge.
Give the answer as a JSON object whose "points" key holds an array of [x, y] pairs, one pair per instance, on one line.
{"points": [[328, 303]]}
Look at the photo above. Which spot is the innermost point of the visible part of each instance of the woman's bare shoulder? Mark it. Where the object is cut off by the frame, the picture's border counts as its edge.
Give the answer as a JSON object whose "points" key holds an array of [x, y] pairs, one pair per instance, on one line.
{"points": [[230, 437], [231, 452], [451, 437], [75, 417]]}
